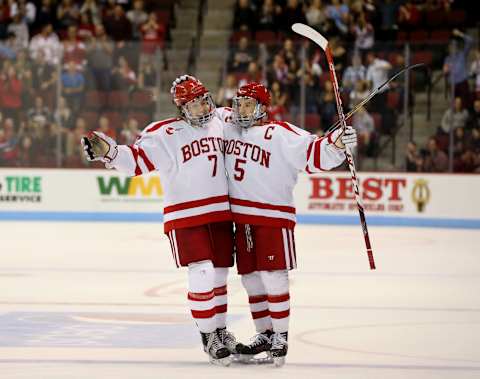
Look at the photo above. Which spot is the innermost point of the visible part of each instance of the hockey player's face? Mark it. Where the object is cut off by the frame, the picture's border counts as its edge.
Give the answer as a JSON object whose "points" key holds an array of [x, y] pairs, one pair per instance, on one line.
{"points": [[198, 107], [246, 106]]}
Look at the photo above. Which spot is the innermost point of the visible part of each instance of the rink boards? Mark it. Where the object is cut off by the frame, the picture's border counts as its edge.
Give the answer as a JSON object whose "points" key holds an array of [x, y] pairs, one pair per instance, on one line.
{"points": [[105, 195]]}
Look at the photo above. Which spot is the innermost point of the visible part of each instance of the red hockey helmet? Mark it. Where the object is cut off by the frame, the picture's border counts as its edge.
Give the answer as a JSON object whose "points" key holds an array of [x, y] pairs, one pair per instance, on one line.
{"points": [[187, 88], [255, 91]]}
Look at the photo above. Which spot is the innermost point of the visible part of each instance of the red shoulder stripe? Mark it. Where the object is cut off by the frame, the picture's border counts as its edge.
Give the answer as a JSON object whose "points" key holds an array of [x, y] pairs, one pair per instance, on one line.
{"points": [[283, 124], [158, 125]]}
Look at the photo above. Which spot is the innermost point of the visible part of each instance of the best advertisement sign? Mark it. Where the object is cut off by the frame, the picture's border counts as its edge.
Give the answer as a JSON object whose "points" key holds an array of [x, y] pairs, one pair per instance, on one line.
{"points": [[391, 196]]}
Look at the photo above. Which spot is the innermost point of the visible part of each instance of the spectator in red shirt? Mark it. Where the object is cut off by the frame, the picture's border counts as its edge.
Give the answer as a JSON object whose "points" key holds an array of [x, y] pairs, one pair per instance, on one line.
{"points": [[8, 143], [10, 93], [153, 35], [408, 15], [74, 50], [86, 27]]}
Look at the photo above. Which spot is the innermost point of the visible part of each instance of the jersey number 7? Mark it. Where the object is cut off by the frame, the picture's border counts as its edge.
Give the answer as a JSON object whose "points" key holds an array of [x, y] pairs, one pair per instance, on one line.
{"points": [[213, 158]]}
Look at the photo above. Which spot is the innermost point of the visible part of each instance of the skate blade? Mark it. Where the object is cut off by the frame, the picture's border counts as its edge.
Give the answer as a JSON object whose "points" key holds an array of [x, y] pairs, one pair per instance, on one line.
{"points": [[252, 359], [278, 361], [224, 362]]}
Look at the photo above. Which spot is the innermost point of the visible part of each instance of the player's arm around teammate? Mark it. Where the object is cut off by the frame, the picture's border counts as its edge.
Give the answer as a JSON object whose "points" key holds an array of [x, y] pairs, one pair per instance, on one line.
{"points": [[263, 160], [188, 153]]}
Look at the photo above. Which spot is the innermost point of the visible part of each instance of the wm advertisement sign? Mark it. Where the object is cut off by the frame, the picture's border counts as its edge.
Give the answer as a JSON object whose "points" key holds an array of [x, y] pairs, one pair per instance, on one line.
{"points": [[138, 188]]}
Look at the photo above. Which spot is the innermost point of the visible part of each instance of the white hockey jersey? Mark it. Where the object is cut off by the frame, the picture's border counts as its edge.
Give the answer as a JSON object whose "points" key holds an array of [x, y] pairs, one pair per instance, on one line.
{"points": [[191, 166], [263, 163]]}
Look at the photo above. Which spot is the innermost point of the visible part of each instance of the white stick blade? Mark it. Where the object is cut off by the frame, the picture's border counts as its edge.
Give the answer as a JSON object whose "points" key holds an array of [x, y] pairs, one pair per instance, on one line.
{"points": [[310, 33]]}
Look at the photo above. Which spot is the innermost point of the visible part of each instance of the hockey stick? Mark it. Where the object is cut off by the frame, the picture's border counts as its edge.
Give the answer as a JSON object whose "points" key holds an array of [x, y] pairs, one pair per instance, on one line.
{"points": [[373, 93], [321, 41]]}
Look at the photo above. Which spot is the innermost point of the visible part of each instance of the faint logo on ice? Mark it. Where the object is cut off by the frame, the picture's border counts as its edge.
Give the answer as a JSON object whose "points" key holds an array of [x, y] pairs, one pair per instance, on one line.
{"points": [[97, 329]]}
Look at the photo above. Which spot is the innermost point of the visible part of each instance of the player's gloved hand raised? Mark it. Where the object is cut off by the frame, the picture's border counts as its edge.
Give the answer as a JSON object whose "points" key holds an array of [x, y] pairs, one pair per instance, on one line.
{"points": [[345, 139], [98, 146]]}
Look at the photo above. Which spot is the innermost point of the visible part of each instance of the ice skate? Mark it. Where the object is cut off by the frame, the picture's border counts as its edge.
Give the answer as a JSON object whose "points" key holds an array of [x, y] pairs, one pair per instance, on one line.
{"points": [[261, 343], [217, 352], [229, 341], [279, 348]]}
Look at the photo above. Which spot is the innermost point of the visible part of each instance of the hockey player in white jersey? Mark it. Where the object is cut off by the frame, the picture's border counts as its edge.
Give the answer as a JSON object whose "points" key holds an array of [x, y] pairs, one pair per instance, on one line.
{"points": [[263, 160], [188, 153]]}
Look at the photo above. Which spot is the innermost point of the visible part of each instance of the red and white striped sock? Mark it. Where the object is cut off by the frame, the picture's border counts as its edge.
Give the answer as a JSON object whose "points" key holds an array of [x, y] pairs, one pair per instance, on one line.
{"points": [[221, 298], [279, 307], [201, 295], [257, 298], [202, 306], [277, 286]]}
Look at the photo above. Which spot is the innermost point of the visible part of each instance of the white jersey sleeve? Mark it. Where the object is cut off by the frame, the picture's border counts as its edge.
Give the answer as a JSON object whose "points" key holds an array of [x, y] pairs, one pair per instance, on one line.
{"points": [[148, 153], [224, 114], [307, 152]]}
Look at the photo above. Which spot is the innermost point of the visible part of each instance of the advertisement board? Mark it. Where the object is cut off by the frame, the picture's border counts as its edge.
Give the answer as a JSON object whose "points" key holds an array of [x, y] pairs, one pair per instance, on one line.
{"points": [[388, 198]]}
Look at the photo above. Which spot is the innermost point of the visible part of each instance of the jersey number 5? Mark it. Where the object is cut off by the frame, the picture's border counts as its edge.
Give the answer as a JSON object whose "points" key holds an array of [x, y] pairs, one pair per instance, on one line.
{"points": [[239, 170]]}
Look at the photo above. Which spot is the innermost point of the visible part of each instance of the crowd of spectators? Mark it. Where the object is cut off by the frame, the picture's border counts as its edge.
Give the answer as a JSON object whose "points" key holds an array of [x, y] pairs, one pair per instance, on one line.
{"points": [[460, 121], [367, 41], [70, 66]]}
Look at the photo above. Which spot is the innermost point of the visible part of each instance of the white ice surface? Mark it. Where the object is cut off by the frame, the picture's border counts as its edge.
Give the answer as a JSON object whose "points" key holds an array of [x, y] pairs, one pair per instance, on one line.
{"points": [[416, 316]]}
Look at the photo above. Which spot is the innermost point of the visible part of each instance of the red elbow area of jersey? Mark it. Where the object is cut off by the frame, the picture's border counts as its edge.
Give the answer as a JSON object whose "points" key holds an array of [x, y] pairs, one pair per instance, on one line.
{"points": [[138, 170], [147, 161], [317, 152]]}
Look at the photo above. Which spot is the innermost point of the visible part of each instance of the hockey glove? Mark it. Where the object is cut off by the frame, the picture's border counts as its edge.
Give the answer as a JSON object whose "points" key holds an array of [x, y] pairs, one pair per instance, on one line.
{"points": [[345, 139], [99, 147]]}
